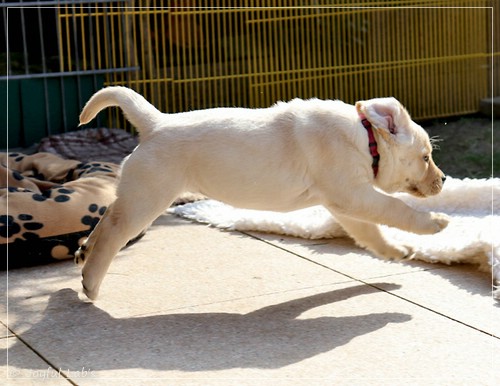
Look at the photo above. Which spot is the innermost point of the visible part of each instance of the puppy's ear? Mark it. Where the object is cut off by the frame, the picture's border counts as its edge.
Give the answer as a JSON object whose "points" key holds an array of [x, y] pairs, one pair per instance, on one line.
{"points": [[385, 114]]}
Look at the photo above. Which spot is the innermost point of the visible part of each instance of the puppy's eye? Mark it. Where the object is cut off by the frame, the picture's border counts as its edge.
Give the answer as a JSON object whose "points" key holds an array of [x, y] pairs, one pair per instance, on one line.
{"points": [[426, 158]]}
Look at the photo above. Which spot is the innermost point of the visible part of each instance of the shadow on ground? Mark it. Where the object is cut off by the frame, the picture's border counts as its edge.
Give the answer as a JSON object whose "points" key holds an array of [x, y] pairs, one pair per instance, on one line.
{"points": [[81, 334]]}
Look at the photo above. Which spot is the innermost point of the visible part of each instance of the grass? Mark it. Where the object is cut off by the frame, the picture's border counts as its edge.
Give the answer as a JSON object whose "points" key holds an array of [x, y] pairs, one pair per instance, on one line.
{"points": [[467, 147]]}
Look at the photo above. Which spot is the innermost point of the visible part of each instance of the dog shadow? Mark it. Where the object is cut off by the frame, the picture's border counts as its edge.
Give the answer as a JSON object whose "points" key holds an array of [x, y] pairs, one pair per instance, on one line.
{"points": [[76, 334]]}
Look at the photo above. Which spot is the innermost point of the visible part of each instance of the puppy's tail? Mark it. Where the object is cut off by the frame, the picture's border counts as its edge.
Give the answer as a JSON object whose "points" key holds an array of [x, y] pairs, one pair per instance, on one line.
{"points": [[138, 111]]}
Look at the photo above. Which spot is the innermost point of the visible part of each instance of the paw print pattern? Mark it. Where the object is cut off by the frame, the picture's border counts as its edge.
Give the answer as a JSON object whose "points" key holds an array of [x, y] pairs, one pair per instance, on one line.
{"points": [[40, 197], [10, 226], [96, 213], [17, 157], [17, 176], [60, 195], [63, 194]]}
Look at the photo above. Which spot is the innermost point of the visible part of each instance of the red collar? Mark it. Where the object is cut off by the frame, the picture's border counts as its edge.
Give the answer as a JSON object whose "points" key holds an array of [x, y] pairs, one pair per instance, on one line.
{"points": [[372, 143]]}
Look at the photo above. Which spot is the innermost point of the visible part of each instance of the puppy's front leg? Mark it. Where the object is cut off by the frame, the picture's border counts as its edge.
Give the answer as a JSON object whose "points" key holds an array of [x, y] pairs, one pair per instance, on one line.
{"points": [[368, 235], [369, 205]]}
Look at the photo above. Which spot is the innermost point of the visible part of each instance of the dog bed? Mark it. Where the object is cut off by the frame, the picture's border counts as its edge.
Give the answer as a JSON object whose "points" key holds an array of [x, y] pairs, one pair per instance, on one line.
{"points": [[48, 204], [471, 237]]}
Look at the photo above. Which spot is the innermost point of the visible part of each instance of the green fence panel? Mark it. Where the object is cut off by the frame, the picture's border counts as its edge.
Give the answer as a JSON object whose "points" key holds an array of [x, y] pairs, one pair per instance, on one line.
{"points": [[40, 107]]}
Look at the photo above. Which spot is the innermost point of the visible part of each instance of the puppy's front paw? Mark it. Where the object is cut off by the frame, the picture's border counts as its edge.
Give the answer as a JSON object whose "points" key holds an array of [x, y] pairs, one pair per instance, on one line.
{"points": [[430, 223], [394, 252], [439, 221]]}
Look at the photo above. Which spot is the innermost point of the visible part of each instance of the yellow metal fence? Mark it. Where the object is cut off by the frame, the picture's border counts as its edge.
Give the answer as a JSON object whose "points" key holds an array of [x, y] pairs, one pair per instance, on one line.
{"points": [[435, 56]]}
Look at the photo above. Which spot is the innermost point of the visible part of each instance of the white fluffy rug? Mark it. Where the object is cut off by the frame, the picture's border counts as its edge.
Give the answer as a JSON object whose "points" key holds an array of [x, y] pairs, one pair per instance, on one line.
{"points": [[473, 235]]}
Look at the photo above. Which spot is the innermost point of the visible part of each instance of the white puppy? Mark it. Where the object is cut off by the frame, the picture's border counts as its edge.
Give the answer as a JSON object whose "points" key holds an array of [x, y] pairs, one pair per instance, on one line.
{"points": [[286, 157]]}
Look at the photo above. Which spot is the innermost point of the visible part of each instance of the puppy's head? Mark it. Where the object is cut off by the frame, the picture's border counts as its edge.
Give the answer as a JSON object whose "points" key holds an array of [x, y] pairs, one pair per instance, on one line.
{"points": [[405, 149]]}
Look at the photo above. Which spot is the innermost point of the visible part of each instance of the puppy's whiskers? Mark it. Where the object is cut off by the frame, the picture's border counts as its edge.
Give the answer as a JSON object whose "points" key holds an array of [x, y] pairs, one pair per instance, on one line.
{"points": [[434, 142]]}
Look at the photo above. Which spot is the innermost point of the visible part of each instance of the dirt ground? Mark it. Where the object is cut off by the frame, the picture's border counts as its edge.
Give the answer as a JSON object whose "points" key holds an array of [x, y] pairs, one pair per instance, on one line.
{"points": [[467, 146]]}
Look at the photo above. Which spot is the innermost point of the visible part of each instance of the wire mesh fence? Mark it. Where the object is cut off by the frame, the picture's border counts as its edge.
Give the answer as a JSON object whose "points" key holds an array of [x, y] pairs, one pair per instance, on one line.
{"points": [[439, 57]]}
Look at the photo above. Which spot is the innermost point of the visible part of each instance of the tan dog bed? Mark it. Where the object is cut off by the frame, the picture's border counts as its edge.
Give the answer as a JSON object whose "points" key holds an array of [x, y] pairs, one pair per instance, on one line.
{"points": [[48, 204]]}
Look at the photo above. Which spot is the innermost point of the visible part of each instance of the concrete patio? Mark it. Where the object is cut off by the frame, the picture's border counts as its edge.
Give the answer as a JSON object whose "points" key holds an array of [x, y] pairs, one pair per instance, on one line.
{"points": [[192, 305]]}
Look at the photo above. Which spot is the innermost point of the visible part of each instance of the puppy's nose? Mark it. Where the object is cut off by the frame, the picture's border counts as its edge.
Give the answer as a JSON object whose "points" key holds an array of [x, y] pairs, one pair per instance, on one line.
{"points": [[443, 178]]}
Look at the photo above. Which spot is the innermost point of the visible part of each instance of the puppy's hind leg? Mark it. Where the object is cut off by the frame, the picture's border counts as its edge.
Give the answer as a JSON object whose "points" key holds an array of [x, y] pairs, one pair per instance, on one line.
{"points": [[124, 220], [130, 214], [88, 244]]}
